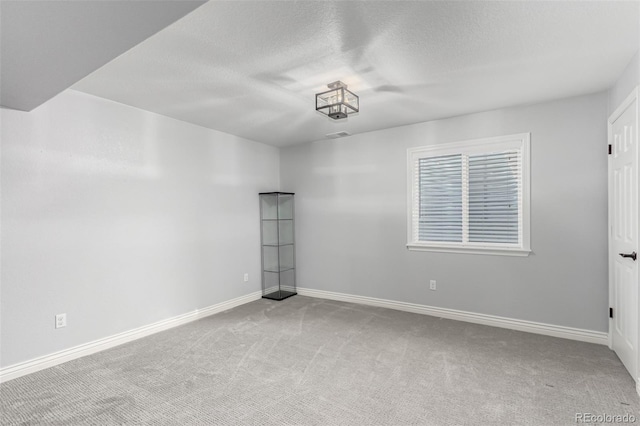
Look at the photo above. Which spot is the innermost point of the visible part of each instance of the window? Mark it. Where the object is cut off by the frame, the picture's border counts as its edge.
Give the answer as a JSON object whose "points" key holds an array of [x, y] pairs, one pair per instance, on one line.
{"points": [[470, 197]]}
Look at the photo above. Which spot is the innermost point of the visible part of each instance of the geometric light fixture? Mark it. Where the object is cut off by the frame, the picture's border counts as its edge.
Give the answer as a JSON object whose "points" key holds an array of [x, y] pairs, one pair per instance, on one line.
{"points": [[337, 102]]}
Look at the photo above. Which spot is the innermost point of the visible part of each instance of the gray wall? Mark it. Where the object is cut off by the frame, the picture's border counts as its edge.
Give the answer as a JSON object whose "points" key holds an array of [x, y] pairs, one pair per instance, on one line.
{"points": [[627, 81], [351, 218], [120, 218]]}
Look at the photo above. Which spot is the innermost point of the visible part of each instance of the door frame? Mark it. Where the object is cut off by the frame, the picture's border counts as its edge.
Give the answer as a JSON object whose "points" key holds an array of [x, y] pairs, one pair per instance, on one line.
{"points": [[633, 96]]}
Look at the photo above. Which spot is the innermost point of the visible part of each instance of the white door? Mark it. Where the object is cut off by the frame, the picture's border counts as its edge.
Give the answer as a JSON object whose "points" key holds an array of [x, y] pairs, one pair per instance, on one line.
{"points": [[623, 237]]}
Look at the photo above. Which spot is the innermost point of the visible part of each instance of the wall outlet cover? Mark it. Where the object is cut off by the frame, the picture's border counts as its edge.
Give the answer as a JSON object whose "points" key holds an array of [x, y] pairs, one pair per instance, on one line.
{"points": [[61, 320]]}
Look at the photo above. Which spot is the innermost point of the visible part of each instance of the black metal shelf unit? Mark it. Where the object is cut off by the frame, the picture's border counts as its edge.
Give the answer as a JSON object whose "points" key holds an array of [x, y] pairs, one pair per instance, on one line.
{"points": [[277, 238]]}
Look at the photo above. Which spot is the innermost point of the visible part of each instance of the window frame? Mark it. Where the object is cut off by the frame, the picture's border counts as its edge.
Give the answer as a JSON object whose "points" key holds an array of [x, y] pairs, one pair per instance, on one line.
{"points": [[519, 141]]}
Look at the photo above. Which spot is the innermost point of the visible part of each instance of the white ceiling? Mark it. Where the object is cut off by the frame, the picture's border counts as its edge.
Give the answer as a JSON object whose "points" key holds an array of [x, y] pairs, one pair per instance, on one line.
{"points": [[46, 46], [251, 68]]}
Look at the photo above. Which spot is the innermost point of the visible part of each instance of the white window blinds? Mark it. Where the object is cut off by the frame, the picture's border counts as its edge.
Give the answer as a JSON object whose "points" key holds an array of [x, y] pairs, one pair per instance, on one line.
{"points": [[440, 184], [470, 195], [494, 198]]}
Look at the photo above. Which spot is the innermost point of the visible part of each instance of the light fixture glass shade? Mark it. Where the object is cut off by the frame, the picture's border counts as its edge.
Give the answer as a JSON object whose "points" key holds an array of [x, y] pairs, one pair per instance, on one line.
{"points": [[338, 102]]}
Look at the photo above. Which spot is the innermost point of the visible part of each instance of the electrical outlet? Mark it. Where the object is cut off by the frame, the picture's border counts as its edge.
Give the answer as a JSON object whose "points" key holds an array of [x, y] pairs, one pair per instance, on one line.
{"points": [[246, 277], [432, 284], [61, 320]]}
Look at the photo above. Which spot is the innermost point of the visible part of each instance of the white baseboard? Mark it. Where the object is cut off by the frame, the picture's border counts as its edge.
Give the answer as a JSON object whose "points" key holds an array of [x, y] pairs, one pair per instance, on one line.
{"points": [[492, 320], [37, 364], [638, 386]]}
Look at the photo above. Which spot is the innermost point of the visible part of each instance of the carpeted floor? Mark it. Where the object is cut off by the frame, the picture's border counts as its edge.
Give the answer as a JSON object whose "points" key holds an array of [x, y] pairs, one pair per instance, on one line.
{"points": [[306, 361]]}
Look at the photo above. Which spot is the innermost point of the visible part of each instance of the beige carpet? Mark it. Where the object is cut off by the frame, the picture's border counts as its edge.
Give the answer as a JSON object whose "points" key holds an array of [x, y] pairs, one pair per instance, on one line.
{"points": [[306, 361]]}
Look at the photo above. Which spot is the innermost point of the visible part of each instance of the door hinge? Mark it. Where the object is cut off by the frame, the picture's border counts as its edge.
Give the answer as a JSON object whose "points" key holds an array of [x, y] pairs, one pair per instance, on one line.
{"points": [[610, 312], [609, 149]]}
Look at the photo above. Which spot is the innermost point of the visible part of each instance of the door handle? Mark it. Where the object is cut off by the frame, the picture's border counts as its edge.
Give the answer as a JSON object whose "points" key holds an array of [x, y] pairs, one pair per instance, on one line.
{"points": [[633, 255]]}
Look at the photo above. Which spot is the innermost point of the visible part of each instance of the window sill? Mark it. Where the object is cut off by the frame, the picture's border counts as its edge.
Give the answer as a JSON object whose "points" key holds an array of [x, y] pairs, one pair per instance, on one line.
{"points": [[492, 251]]}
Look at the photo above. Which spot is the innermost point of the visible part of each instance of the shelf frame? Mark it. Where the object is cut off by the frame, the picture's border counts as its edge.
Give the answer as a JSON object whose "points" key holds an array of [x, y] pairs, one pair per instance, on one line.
{"points": [[268, 292]]}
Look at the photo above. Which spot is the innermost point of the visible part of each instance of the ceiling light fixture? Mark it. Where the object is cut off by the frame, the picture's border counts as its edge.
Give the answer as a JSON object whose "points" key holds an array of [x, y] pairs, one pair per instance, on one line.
{"points": [[338, 102]]}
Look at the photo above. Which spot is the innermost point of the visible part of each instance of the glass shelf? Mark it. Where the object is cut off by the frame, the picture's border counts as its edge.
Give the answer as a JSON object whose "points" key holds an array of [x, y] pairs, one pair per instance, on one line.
{"points": [[281, 270], [277, 232]]}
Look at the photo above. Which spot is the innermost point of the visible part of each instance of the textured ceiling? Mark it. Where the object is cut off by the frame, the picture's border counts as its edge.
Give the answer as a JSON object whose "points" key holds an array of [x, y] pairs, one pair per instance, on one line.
{"points": [[46, 46], [251, 68]]}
